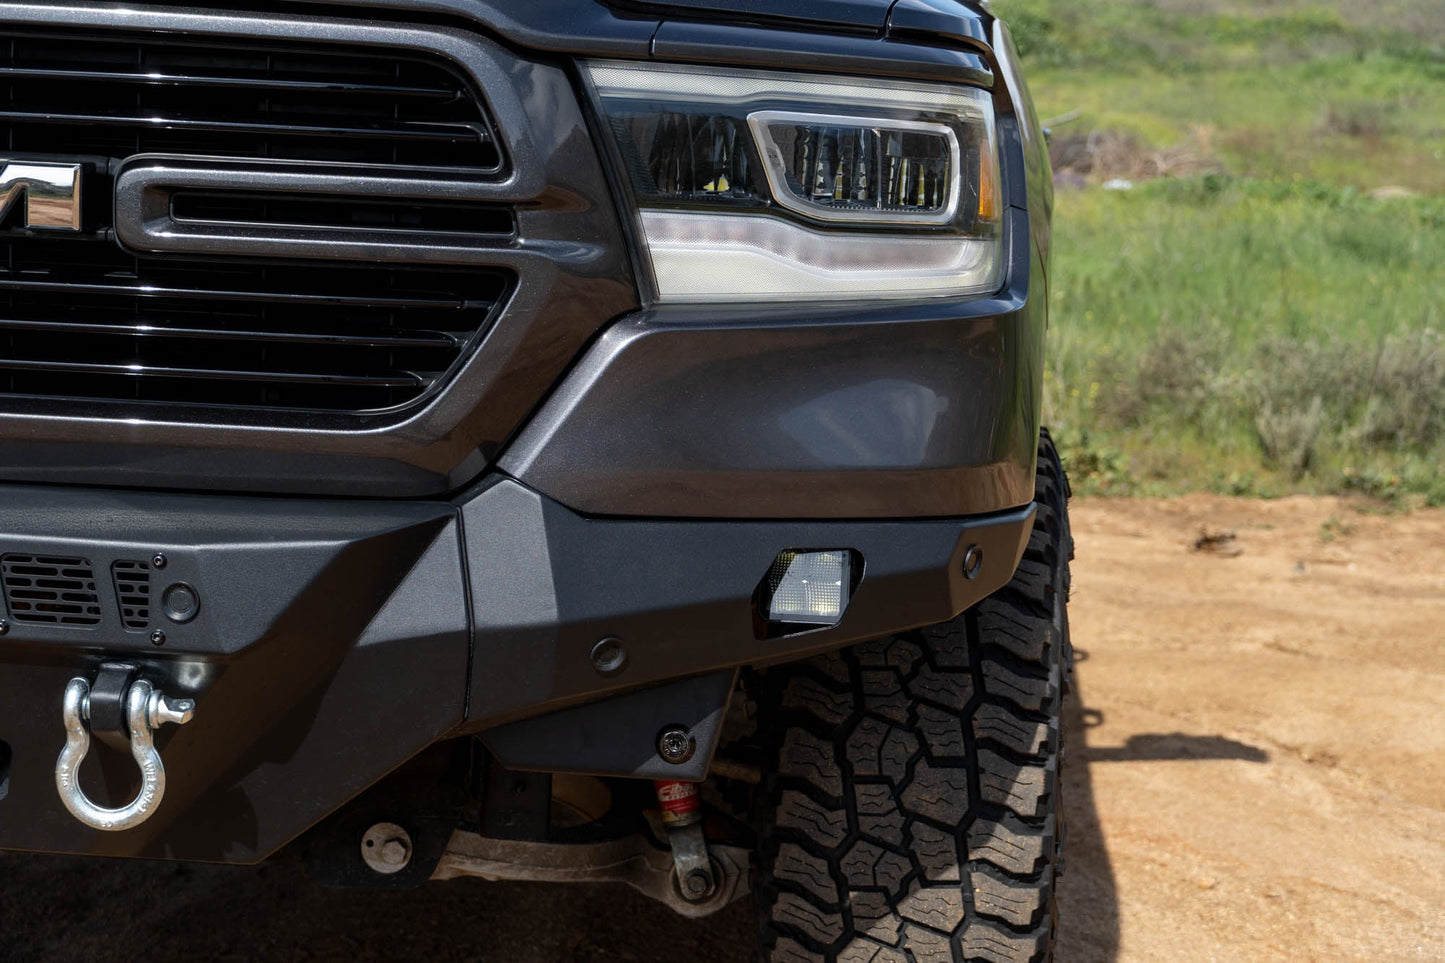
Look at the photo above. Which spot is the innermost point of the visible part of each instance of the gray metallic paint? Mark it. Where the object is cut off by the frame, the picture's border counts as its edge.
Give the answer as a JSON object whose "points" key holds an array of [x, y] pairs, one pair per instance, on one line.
{"points": [[929, 408], [917, 409], [581, 284]]}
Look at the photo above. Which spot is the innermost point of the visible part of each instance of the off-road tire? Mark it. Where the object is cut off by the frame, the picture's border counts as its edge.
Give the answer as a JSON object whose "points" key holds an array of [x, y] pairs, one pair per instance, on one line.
{"points": [[913, 811]]}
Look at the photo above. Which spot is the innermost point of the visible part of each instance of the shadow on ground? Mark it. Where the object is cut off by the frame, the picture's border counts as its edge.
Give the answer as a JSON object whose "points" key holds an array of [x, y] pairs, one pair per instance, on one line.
{"points": [[1165, 746], [1088, 894], [59, 909]]}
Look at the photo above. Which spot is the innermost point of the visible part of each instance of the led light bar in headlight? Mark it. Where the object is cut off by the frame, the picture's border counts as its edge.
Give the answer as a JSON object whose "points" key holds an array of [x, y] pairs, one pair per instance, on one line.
{"points": [[757, 185], [867, 169]]}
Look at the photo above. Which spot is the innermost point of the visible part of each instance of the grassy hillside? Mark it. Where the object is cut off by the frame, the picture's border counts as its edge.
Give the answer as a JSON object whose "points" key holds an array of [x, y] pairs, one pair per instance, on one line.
{"points": [[1263, 308]]}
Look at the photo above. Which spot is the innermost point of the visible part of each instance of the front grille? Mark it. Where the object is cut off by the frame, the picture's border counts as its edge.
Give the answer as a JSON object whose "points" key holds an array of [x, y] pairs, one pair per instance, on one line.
{"points": [[50, 590], [79, 94], [82, 318]]}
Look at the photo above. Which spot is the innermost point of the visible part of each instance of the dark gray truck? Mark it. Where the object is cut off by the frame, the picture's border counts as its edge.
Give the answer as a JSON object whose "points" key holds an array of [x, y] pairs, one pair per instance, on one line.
{"points": [[558, 440]]}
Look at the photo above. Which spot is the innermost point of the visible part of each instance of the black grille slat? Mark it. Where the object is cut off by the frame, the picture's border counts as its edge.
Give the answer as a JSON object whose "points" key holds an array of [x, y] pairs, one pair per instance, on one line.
{"points": [[137, 290], [50, 590], [132, 581], [457, 134], [129, 77], [415, 339], [399, 380], [83, 319], [403, 216]]}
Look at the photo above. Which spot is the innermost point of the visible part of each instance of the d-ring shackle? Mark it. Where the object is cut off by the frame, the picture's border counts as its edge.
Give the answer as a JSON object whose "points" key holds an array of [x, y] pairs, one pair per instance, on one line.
{"points": [[146, 709]]}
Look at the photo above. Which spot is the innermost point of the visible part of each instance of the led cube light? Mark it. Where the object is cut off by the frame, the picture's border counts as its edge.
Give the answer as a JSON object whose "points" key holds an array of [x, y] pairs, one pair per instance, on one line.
{"points": [[809, 588]]}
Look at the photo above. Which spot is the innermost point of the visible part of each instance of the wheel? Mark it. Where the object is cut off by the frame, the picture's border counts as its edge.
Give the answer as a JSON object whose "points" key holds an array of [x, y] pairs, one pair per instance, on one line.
{"points": [[912, 813]]}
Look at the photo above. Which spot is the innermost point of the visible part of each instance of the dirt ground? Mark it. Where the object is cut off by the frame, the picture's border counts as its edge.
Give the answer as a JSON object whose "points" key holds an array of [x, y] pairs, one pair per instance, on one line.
{"points": [[1265, 738], [1256, 771]]}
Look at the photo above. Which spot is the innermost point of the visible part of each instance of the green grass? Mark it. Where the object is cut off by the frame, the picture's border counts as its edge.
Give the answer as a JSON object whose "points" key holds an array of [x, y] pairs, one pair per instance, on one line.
{"points": [[1274, 327], [1367, 121]]}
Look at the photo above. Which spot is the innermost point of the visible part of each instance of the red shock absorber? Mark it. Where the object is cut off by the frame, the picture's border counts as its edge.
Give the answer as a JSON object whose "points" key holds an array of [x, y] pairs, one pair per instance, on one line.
{"points": [[682, 815], [681, 805]]}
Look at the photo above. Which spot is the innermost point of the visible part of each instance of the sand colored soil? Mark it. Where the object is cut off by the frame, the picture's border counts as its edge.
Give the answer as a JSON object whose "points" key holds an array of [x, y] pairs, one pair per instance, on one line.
{"points": [[1263, 727]]}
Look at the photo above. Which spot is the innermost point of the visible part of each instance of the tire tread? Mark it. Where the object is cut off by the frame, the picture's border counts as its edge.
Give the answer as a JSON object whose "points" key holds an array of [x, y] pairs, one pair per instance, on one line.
{"points": [[912, 815]]}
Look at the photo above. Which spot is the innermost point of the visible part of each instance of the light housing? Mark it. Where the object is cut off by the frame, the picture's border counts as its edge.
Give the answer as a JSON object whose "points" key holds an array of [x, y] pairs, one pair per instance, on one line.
{"points": [[764, 185]]}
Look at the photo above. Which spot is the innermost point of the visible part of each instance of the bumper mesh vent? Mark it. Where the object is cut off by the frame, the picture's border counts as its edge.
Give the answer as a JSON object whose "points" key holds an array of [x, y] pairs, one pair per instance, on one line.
{"points": [[133, 592], [83, 319], [50, 590]]}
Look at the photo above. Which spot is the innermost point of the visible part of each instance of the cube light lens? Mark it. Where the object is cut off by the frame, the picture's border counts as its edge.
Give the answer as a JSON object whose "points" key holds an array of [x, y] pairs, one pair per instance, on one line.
{"points": [[811, 588]]}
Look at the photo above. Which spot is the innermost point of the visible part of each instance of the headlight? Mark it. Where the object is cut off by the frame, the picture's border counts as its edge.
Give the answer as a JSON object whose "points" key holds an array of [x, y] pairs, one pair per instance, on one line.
{"points": [[756, 185]]}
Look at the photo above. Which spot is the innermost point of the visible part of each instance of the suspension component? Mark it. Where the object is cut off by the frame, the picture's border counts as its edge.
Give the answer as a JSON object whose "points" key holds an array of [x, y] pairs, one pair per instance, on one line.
{"points": [[681, 806], [635, 860], [146, 709]]}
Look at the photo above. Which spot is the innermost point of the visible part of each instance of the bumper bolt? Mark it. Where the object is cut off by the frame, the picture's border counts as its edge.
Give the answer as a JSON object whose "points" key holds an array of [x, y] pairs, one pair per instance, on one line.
{"points": [[608, 656], [972, 561], [158, 637], [158, 560], [394, 852], [675, 745]]}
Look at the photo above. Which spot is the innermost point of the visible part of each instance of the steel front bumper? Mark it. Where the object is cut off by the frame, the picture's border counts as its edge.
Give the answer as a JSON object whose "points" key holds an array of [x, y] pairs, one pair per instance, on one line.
{"points": [[334, 640]]}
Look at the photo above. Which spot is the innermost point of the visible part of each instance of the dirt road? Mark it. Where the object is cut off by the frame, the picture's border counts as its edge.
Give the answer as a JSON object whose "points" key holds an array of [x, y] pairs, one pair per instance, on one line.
{"points": [[1257, 772], [1267, 760]]}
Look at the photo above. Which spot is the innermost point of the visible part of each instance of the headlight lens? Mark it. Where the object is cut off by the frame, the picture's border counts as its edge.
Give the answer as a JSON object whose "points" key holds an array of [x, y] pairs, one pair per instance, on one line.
{"points": [[757, 185]]}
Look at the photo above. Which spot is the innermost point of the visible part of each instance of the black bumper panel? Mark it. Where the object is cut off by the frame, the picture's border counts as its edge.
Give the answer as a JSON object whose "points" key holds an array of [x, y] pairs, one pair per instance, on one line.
{"points": [[333, 641], [330, 645], [548, 584]]}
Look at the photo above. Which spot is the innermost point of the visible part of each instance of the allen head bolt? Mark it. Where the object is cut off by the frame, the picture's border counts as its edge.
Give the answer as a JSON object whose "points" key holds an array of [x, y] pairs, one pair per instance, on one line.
{"points": [[675, 745]]}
